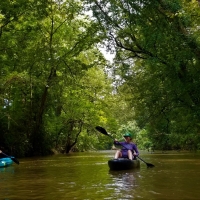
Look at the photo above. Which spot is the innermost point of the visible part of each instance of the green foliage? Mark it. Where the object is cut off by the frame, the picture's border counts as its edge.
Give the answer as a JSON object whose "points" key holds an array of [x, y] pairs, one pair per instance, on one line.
{"points": [[54, 89], [157, 58], [51, 75]]}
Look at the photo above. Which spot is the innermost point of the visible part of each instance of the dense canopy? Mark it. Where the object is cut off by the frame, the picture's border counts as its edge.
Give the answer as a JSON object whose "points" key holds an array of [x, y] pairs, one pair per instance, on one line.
{"points": [[56, 85]]}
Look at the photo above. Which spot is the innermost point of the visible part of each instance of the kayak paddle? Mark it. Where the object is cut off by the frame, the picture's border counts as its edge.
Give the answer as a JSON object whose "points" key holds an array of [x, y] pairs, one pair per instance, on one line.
{"points": [[103, 131], [12, 158]]}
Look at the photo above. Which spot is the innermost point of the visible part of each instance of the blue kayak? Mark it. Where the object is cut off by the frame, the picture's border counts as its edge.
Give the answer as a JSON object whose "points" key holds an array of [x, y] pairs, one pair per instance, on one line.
{"points": [[5, 162]]}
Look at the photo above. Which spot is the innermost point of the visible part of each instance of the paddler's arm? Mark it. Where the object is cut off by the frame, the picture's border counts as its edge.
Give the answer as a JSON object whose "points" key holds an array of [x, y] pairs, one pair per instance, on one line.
{"points": [[135, 151], [116, 142]]}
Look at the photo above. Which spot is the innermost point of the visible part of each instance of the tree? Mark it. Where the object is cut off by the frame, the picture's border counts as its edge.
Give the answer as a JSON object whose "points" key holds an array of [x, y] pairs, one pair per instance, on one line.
{"points": [[43, 53], [157, 56]]}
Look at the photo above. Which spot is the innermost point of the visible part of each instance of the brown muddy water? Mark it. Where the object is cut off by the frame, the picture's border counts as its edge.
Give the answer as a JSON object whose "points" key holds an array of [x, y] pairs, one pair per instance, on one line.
{"points": [[86, 176]]}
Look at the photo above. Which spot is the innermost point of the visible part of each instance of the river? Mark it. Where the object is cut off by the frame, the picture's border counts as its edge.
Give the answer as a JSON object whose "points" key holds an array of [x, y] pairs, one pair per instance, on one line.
{"points": [[86, 176]]}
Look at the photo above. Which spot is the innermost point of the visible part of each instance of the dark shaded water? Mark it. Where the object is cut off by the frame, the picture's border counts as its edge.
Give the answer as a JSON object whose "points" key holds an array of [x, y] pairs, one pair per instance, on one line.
{"points": [[86, 176]]}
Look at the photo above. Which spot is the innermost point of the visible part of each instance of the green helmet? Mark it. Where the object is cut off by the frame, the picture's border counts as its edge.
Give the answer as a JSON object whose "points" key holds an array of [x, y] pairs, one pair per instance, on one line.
{"points": [[127, 135]]}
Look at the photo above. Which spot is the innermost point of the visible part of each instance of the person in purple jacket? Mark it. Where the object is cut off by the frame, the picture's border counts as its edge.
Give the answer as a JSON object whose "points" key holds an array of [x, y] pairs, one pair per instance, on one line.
{"points": [[129, 149]]}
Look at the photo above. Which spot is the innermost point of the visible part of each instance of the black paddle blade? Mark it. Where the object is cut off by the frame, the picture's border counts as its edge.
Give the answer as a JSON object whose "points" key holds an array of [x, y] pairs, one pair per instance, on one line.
{"points": [[150, 165], [101, 130], [15, 160]]}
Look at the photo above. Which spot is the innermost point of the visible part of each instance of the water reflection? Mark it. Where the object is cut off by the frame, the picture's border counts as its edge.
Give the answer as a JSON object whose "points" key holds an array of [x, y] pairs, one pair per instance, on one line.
{"points": [[9, 169], [124, 182], [5, 175]]}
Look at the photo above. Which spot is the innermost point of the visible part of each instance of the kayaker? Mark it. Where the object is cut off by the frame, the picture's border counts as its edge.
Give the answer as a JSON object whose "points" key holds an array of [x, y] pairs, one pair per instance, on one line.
{"points": [[129, 149]]}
